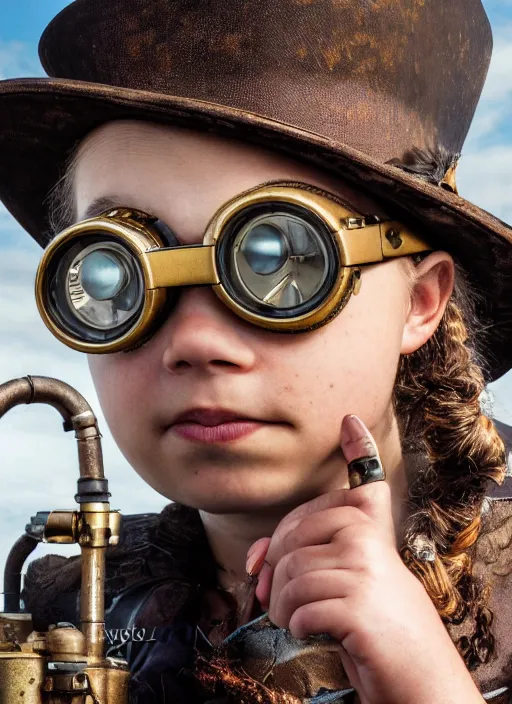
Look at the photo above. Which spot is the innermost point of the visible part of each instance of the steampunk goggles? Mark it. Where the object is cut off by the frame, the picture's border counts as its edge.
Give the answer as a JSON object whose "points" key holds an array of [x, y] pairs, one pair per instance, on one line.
{"points": [[283, 256]]}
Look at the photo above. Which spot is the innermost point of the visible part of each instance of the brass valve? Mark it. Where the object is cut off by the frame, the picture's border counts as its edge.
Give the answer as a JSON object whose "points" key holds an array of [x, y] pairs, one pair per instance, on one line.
{"points": [[94, 526]]}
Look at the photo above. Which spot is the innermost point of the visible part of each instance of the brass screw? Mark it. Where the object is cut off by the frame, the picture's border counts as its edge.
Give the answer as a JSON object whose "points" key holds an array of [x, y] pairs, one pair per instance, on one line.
{"points": [[393, 237], [80, 681]]}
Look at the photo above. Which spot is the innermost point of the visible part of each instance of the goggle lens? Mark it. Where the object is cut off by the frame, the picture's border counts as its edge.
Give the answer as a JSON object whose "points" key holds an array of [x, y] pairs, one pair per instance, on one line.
{"points": [[278, 263], [98, 290], [264, 247], [102, 275]]}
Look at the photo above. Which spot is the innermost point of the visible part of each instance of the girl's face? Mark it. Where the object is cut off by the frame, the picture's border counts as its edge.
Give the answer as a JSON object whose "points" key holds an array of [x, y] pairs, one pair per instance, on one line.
{"points": [[298, 386]]}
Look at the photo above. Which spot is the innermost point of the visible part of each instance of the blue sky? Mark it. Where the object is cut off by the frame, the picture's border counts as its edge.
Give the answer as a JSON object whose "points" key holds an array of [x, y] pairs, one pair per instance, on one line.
{"points": [[40, 460], [25, 19]]}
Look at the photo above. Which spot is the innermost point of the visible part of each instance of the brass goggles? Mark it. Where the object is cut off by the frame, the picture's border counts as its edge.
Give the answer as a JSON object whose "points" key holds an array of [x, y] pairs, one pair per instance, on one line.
{"points": [[282, 256]]}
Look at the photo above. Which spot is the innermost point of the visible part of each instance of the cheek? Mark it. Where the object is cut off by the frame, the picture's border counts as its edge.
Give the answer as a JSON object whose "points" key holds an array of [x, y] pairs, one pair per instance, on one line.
{"points": [[377, 317], [349, 365], [119, 385]]}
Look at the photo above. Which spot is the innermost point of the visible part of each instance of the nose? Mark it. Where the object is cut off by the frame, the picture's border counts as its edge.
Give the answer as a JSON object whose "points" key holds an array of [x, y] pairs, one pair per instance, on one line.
{"points": [[201, 333]]}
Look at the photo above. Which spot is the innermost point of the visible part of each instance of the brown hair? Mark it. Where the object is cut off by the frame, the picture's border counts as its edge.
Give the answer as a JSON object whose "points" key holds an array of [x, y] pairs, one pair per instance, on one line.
{"points": [[437, 400]]}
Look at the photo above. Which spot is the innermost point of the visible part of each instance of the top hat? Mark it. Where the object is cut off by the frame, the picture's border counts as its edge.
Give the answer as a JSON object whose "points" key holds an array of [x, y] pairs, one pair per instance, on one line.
{"points": [[379, 92]]}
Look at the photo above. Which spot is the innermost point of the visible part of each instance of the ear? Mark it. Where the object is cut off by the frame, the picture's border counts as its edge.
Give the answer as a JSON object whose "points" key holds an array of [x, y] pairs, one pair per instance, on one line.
{"points": [[430, 292]]}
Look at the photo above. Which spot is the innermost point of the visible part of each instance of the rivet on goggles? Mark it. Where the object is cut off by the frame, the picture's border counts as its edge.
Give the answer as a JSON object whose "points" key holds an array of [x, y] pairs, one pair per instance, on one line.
{"points": [[282, 256]]}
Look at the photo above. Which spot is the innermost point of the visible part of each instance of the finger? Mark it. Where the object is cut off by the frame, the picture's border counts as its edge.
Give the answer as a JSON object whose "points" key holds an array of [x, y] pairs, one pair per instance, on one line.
{"points": [[309, 588], [256, 556], [369, 490], [340, 535], [321, 528], [334, 499], [317, 617], [264, 586], [354, 552]]}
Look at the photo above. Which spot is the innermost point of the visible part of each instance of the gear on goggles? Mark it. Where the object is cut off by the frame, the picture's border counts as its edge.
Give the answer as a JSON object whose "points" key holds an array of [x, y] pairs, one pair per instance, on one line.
{"points": [[282, 256]]}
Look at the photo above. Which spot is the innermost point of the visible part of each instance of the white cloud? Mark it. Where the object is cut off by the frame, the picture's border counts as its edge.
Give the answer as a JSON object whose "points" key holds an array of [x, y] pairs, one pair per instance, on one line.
{"points": [[485, 170], [499, 80], [486, 179]]}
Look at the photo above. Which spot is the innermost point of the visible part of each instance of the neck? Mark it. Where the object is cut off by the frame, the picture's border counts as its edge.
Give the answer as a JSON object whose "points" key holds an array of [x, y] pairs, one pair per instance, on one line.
{"points": [[231, 535]]}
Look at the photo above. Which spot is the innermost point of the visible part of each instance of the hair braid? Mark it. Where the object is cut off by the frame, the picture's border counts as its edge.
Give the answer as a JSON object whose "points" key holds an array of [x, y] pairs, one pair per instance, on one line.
{"points": [[438, 402]]}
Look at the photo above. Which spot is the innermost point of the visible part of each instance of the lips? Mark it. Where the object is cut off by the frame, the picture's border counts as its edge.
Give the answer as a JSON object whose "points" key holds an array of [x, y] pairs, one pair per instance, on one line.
{"points": [[210, 417]]}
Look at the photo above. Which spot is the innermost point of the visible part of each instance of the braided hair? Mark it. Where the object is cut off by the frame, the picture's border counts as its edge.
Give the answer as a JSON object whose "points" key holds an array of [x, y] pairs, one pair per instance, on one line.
{"points": [[437, 401]]}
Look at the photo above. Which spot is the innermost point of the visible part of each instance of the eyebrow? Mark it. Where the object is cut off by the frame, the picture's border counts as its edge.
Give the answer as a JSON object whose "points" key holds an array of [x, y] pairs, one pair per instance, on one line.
{"points": [[104, 203]]}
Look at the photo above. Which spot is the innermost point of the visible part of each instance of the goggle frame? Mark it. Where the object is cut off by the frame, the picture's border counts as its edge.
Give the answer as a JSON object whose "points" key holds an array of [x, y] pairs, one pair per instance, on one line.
{"points": [[359, 240]]}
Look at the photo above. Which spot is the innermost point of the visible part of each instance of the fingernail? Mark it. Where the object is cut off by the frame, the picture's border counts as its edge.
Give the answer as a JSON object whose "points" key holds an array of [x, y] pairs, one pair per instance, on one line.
{"points": [[353, 429], [252, 549], [254, 563]]}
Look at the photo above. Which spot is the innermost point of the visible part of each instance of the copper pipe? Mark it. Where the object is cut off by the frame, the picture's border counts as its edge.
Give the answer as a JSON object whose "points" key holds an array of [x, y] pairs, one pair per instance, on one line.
{"points": [[72, 406], [92, 600], [21, 549], [92, 488]]}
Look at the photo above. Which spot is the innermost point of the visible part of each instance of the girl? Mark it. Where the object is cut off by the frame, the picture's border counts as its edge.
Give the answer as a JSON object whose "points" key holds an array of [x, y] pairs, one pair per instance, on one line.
{"points": [[290, 567]]}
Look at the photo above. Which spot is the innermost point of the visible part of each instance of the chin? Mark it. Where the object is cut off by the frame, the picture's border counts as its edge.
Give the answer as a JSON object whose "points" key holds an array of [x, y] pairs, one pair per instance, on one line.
{"points": [[236, 485], [225, 500]]}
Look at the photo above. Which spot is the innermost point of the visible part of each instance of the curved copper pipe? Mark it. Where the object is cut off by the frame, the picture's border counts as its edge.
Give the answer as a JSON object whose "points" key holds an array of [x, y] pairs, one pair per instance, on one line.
{"points": [[21, 549], [74, 409]]}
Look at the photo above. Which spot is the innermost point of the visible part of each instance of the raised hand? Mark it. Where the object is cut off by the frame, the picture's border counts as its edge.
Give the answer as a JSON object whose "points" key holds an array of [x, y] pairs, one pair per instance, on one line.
{"points": [[332, 566]]}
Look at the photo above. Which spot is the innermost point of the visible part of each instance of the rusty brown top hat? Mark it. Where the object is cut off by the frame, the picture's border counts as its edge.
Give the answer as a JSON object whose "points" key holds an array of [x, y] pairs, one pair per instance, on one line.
{"points": [[380, 92]]}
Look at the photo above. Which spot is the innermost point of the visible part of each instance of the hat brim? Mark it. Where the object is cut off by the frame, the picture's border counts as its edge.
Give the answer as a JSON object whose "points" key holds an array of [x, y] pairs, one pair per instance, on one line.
{"points": [[41, 120]]}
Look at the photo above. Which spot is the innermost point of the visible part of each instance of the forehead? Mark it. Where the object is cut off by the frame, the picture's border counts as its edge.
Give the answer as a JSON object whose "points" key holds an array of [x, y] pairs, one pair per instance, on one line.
{"points": [[183, 176]]}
